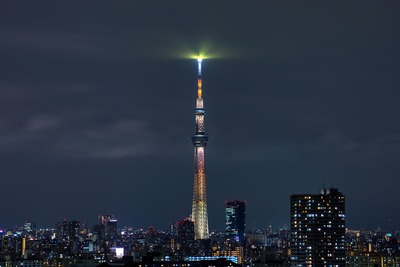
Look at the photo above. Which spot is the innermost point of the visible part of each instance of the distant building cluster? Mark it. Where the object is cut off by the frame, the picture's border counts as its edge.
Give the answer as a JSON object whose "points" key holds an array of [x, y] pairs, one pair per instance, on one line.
{"points": [[71, 243], [317, 237]]}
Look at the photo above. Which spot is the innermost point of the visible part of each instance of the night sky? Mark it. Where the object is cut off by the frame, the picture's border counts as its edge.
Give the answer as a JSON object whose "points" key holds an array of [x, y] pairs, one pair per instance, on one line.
{"points": [[97, 109]]}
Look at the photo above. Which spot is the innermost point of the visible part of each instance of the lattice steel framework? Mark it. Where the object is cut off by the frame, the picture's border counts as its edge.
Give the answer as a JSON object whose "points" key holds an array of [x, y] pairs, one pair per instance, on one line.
{"points": [[200, 139]]}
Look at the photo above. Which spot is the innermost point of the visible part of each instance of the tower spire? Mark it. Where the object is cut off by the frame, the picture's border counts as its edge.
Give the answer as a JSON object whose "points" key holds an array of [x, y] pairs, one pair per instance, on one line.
{"points": [[199, 140], [199, 79]]}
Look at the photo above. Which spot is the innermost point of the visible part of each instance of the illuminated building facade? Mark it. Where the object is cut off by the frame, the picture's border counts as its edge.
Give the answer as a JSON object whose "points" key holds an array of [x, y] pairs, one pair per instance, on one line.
{"points": [[235, 220], [68, 230], [200, 139], [108, 227], [235, 254], [318, 229], [30, 227]]}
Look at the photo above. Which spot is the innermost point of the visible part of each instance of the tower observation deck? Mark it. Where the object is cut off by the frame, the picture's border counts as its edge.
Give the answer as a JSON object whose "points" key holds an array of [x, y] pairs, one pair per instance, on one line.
{"points": [[200, 139]]}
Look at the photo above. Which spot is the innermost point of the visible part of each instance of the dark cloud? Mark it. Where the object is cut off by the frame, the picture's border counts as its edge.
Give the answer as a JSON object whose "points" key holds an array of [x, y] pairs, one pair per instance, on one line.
{"points": [[96, 108]]}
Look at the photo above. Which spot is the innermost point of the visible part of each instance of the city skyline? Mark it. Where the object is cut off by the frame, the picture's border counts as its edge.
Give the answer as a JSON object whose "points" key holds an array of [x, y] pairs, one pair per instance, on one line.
{"points": [[96, 109]]}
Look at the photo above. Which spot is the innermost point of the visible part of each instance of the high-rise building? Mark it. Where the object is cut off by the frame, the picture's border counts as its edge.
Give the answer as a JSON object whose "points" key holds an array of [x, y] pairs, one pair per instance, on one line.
{"points": [[318, 229], [200, 139], [30, 227], [235, 220], [184, 237], [67, 230], [185, 231], [108, 227]]}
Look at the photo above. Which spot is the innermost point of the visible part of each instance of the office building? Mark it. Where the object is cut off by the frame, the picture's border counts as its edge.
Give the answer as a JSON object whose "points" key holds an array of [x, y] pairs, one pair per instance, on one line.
{"points": [[108, 227], [235, 220], [318, 229], [185, 232]]}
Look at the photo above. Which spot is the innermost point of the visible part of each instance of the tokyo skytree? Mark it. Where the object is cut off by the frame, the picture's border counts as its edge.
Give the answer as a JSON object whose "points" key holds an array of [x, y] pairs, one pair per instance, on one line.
{"points": [[200, 139]]}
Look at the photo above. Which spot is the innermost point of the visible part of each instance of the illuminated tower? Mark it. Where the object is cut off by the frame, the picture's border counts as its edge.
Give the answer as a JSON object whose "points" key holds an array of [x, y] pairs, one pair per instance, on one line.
{"points": [[199, 139]]}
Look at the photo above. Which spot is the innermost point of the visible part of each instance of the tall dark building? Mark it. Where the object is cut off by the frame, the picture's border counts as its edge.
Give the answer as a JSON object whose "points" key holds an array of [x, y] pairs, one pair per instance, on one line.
{"points": [[185, 231], [67, 230], [318, 229], [68, 233], [235, 220], [108, 227]]}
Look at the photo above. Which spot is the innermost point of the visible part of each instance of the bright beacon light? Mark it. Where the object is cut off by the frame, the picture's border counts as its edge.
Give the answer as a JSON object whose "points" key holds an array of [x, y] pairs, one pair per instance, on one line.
{"points": [[199, 60]]}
